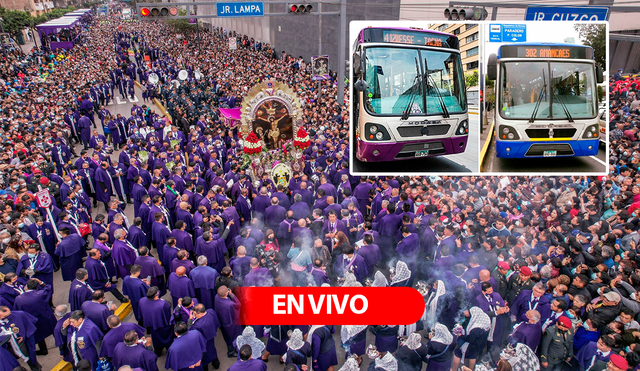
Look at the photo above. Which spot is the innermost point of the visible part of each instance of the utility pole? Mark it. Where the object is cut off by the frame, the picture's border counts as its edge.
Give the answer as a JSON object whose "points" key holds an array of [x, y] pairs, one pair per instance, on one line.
{"points": [[319, 49], [341, 52]]}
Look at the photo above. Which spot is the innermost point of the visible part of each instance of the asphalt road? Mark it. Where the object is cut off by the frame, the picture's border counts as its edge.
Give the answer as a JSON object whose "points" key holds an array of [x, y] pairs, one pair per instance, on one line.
{"points": [[61, 288], [465, 162], [560, 165]]}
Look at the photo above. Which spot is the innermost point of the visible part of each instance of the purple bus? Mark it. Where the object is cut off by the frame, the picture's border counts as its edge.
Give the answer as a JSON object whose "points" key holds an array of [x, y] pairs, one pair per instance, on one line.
{"points": [[409, 95]]}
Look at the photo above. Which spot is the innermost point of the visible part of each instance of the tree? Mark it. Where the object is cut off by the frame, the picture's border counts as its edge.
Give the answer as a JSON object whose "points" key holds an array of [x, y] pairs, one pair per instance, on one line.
{"points": [[471, 79], [595, 36], [14, 20], [181, 25]]}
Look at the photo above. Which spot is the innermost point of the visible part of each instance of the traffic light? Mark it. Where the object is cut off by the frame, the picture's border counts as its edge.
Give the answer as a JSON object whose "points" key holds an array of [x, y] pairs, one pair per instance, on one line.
{"points": [[462, 14], [300, 8], [158, 11]]}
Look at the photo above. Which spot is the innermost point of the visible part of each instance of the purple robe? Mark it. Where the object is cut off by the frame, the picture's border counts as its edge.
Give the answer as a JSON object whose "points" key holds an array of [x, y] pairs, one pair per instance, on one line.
{"points": [[136, 357], [371, 255], [228, 310], [124, 256], [180, 287], [103, 185], [523, 303], [489, 305], [137, 237], [26, 324], [151, 268], [183, 239], [159, 320], [69, 251], [529, 334], [258, 277], [86, 348], [204, 278], [249, 365], [42, 265], [176, 263], [208, 326], [78, 294], [240, 266], [319, 276], [98, 275], [97, 313], [108, 262], [135, 289], [357, 265], [324, 348], [60, 340], [115, 336], [36, 303], [159, 234], [187, 350], [214, 250]]}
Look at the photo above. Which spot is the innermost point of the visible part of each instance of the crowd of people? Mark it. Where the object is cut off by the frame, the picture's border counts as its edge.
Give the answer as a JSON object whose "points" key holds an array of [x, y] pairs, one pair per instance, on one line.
{"points": [[517, 273]]}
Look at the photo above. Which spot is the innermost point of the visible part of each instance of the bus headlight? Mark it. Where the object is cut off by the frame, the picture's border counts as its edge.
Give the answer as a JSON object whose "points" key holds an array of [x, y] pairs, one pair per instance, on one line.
{"points": [[376, 132], [463, 128], [591, 132], [507, 133]]}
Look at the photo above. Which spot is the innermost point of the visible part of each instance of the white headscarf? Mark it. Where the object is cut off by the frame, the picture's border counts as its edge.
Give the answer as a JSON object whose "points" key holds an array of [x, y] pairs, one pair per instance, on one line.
{"points": [[414, 341], [431, 309], [296, 341], [349, 331], [442, 334], [379, 280], [402, 273], [387, 363], [479, 319], [350, 280], [351, 364], [523, 359], [249, 337]]}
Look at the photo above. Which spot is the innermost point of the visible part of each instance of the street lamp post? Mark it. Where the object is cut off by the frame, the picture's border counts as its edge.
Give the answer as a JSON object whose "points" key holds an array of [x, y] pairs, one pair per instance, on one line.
{"points": [[2, 24]]}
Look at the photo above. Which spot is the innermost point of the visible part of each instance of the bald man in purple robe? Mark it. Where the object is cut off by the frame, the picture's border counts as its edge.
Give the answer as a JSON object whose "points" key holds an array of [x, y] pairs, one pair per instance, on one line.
{"points": [[228, 309], [180, 285], [116, 334], [133, 354]]}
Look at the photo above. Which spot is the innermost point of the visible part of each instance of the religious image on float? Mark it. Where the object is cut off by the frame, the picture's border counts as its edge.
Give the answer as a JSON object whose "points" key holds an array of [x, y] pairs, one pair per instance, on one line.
{"points": [[271, 132]]}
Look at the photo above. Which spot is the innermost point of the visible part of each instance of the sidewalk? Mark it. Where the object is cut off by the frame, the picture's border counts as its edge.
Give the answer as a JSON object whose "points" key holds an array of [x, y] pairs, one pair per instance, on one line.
{"points": [[486, 136]]}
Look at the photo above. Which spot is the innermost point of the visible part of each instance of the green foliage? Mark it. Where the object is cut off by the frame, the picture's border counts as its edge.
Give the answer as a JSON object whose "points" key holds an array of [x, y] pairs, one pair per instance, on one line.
{"points": [[181, 25], [471, 79], [595, 36], [14, 20]]}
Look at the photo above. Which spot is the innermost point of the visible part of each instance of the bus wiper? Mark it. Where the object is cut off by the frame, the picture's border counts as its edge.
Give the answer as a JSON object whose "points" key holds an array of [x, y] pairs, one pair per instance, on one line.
{"points": [[564, 106], [445, 111], [542, 93], [413, 90]]}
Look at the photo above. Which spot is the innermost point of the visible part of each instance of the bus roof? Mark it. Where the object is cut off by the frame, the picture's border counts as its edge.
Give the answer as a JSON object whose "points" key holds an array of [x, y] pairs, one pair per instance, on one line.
{"points": [[361, 33]]}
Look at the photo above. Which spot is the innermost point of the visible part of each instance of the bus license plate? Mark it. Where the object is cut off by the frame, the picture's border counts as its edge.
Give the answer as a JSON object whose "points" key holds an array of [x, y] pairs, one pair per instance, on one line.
{"points": [[550, 153], [422, 153]]}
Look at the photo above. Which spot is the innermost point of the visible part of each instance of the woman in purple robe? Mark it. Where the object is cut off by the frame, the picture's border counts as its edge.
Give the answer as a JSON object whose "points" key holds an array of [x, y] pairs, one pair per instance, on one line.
{"points": [[354, 339]]}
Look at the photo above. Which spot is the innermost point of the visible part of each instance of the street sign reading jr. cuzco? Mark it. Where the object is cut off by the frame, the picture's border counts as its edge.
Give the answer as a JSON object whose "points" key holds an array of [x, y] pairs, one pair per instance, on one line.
{"points": [[567, 13], [240, 9]]}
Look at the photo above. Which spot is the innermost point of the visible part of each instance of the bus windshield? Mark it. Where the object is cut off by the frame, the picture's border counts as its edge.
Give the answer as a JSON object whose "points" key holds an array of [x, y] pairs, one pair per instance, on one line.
{"points": [[554, 84], [393, 87]]}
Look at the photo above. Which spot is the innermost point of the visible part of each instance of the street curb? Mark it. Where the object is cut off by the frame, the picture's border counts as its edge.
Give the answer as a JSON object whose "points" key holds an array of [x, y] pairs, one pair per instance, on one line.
{"points": [[161, 108], [123, 311], [485, 146]]}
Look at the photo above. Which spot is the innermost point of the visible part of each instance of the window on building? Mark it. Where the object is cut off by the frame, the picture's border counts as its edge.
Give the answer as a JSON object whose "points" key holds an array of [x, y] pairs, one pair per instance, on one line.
{"points": [[473, 37], [470, 26], [442, 27], [456, 31], [472, 65], [471, 52]]}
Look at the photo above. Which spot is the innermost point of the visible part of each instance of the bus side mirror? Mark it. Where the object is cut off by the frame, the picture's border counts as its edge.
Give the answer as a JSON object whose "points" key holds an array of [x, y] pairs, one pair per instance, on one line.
{"points": [[357, 63], [360, 85], [599, 78], [492, 67]]}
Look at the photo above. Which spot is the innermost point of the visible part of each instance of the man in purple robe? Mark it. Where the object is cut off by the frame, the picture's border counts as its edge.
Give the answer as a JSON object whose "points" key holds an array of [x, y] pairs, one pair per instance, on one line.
{"points": [[183, 215], [99, 276], [240, 264], [213, 248], [116, 334], [124, 254], [370, 252], [158, 319], [493, 305], [35, 301], [83, 338], [103, 184], [159, 231], [331, 227], [180, 285], [80, 290], [70, 250], [20, 329], [349, 261], [206, 322], [136, 289], [228, 309], [97, 311], [247, 362], [129, 352], [182, 260], [151, 268], [530, 332], [258, 276], [260, 204], [247, 241], [136, 235], [232, 221], [62, 315], [528, 300], [186, 352], [204, 278], [36, 264], [408, 248], [42, 232], [183, 239]]}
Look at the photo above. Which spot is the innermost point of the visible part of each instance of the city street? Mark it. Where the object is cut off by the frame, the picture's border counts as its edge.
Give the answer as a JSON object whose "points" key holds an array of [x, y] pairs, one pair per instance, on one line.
{"points": [[466, 162]]}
